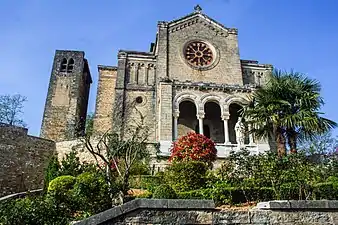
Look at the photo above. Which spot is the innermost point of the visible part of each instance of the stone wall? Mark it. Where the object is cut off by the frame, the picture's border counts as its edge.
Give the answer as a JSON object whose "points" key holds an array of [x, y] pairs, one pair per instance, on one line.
{"points": [[171, 211], [23, 159]]}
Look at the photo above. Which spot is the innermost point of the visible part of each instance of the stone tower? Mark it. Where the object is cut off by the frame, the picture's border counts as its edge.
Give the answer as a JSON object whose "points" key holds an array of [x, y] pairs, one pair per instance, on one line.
{"points": [[67, 99]]}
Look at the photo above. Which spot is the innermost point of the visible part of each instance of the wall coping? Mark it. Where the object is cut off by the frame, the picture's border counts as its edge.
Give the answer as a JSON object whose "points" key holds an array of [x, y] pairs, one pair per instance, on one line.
{"points": [[299, 205], [167, 204], [22, 194]]}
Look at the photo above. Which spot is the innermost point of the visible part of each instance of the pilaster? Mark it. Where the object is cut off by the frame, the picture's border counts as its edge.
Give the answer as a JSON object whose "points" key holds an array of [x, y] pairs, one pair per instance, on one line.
{"points": [[165, 111]]}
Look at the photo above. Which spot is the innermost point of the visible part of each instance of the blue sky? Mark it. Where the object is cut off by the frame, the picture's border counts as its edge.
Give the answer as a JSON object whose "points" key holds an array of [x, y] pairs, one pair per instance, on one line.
{"points": [[300, 34]]}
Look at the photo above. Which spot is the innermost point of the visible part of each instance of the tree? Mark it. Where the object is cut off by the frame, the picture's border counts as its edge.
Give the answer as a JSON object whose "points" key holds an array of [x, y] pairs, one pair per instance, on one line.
{"points": [[287, 109], [119, 148], [11, 109], [321, 144]]}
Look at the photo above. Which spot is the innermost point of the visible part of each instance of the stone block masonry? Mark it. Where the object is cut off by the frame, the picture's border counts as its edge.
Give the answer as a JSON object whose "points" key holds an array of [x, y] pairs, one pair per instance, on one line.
{"points": [[177, 211], [23, 159]]}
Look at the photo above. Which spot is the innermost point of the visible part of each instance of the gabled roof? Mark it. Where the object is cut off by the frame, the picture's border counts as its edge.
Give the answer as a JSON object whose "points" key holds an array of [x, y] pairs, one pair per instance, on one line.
{"points": [[198, 14]]}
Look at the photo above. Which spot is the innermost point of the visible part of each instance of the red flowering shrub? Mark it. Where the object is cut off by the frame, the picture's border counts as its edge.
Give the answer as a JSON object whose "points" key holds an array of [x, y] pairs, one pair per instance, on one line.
{"points": [[193, 147]]}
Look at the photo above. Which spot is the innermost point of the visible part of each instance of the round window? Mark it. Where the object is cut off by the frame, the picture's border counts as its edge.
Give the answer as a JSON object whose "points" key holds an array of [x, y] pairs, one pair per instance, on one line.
{"points": [[139, 99], [199, 54]]}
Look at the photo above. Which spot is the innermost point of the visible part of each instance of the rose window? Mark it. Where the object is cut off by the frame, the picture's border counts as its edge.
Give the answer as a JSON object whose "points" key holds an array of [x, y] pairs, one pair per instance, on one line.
{"points": [[199, 54]]}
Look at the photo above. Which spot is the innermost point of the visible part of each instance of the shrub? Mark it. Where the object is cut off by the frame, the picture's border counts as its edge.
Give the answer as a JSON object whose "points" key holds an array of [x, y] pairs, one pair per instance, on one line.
{"points": [[229, 195], [327, 190], [193, 147], [52, 171], [33, 211], [332, 179], [70, 165], [186, 176], [146, 182], [91, 193], [139, 168], [164, 191], [60, 190]]}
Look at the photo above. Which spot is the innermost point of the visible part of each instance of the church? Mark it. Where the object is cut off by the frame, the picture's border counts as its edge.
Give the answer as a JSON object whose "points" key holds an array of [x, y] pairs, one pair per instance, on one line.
{"points": [[191, 79]]}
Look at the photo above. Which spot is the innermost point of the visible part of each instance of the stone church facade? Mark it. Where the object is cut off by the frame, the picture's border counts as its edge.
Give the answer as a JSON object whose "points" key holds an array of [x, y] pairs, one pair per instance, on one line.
{"points": [[192, 79]]}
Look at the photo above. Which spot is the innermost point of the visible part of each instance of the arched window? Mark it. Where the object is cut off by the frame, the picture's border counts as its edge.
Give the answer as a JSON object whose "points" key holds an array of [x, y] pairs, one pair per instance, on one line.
{"points": [[70, 65], [63, 67]]}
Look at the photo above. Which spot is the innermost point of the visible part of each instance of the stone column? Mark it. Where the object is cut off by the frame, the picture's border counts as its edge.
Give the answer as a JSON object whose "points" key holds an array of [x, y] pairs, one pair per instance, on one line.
{"points": [[225, 118], [200, 117], [176, 115]]}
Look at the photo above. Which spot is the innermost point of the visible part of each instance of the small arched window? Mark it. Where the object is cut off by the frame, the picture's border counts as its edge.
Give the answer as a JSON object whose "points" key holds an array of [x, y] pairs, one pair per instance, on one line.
{"points": [[63, 67], [70, 66]]}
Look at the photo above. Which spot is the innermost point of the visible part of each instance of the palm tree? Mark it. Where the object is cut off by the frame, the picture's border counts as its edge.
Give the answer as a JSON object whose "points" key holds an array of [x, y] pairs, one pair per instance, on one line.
{"points": [[287, 109]]}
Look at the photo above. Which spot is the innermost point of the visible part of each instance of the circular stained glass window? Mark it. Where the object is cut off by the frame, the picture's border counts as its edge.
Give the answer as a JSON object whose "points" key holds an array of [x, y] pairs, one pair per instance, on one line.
{"points": [[199, 54]]}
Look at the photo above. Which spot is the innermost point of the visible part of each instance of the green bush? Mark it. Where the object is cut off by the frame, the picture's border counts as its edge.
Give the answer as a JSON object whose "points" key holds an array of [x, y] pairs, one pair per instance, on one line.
{"points": [[139, 168], [52, 171], [61, 184], [229, 195], [186, 176], [164, 191], [70, 165], [147, 182], [289, 191], [91, 193], [327, 190], [332, 179], [60, 189], [33, 211]]}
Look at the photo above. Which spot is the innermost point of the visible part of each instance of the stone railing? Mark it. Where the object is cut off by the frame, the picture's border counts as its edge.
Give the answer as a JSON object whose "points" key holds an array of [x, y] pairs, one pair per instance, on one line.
{"points": [[175, 211], [223, 150]]}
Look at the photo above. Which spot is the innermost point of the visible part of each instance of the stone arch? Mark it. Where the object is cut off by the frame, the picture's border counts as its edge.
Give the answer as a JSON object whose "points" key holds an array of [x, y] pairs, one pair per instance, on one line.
{"points": [[185, 96], [211, 98], [233, 99]]}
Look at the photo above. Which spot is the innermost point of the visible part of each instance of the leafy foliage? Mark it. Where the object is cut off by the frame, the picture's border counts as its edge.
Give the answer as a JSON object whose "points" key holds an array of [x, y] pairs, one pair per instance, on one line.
{"points": [[193, 147], [140, 168], [52, 171], [186, 176], [33, 211], [164, 191], [223, 194], [61, 189], [90, 193], [146, 182], [326, 190], [286, 110], [71, 165]]}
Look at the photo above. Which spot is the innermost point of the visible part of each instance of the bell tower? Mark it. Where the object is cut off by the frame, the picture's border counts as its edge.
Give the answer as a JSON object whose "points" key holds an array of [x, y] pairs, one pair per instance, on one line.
{"points": [[67, 99]]}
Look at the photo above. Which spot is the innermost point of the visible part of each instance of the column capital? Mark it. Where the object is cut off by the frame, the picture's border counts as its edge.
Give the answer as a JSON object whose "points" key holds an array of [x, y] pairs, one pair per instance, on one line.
{"points": [[176, 113], [225, 116], [200, 115]]}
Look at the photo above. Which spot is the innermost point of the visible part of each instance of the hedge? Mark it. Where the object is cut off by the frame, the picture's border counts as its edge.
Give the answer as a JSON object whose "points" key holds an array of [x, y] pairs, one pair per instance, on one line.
{"points": [[164, 191], [229, 195], [327, 190]]}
